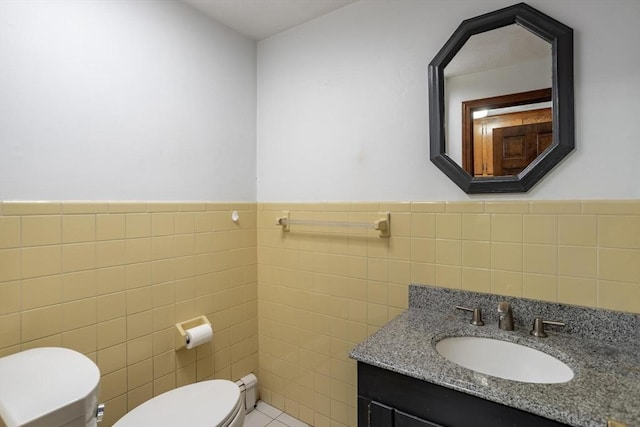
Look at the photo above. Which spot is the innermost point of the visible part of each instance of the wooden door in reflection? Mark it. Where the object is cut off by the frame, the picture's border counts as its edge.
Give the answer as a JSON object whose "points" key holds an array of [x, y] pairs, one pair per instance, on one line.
{"points": [[515, 147], [483, 129]]}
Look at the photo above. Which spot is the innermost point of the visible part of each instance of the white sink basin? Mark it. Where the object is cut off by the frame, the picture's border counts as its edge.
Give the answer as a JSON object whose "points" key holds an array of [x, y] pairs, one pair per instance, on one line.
{"points": [[504, 360]]}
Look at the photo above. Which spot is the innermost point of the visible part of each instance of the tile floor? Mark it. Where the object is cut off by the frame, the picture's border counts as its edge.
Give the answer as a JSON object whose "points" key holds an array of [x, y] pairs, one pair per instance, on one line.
{"points": [[266, 415]]}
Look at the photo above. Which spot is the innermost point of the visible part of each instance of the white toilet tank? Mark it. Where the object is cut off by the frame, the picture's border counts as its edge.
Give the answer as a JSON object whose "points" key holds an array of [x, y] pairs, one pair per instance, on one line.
{"points": [[50, 387]]}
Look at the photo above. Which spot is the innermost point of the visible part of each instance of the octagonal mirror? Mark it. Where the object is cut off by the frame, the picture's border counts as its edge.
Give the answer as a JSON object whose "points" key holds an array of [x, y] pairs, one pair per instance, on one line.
{"points": [[501, 100]]}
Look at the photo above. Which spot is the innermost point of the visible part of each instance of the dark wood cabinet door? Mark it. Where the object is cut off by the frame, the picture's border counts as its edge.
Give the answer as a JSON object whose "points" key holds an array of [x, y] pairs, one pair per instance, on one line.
{"points": [[406, 420], [389, 399], [381, 415]]}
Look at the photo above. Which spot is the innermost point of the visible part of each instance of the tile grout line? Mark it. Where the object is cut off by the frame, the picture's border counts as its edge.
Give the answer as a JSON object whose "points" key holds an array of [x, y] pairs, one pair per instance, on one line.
{"points": [[271, 418]]}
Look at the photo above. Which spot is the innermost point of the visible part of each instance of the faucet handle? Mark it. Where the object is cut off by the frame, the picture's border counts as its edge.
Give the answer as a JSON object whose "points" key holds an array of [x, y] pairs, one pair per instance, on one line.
{"points": [[476, 319], [538, 326]]}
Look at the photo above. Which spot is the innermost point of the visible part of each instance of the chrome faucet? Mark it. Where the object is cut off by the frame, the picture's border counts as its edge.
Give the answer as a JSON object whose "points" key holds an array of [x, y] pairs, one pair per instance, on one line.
{"points": [[505, 321]]}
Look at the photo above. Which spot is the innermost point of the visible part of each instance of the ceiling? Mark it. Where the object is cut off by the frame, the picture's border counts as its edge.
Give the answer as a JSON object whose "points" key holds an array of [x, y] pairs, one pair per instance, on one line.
{"points": [[259, 19]]}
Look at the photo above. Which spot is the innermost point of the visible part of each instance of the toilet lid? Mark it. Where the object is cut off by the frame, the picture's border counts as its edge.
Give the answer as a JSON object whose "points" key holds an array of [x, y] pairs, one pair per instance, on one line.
{"points": [[203, 404], [47, 386]]}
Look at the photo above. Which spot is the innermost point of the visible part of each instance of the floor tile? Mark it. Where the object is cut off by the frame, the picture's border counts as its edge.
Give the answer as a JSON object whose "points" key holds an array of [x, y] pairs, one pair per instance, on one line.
{"points": [[290, 421], [268, 409], [256, 419], [266, 415]]}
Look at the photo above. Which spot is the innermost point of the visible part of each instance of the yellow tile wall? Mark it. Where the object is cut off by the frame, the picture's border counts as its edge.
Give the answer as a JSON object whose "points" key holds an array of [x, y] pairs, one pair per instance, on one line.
{"points": [[322, 290], [110, 280]]}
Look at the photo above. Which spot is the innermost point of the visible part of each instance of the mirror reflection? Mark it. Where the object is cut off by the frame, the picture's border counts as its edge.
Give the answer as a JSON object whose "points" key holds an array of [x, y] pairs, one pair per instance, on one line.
{"points": [[510, 57], [497, 95]]}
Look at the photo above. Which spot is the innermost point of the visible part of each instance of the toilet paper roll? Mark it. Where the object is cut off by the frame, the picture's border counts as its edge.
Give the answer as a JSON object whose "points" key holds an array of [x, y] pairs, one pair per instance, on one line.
{"points": [[249, 380], [198, 335]]}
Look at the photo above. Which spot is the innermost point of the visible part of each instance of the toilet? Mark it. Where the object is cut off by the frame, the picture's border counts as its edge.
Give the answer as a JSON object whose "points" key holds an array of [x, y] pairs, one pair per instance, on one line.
{"points": [[213, 403], [49, 387], [58, 387]]}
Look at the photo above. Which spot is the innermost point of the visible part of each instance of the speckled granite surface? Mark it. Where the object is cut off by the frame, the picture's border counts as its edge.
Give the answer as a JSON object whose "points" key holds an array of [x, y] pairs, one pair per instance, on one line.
{"points": [[602, 348]]}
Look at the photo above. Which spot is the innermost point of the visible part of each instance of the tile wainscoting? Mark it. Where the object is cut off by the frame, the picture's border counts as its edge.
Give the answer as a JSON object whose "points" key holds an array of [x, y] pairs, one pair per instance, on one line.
{"points": [[324, 289], [110, 279]]}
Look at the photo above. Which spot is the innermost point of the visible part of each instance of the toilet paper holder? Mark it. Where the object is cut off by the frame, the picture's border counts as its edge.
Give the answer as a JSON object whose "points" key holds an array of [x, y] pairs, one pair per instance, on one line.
{"points": [[181, 330]]}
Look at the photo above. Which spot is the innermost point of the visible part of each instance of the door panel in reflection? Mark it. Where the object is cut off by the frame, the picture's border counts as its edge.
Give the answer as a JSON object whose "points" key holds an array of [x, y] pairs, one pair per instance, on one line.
{"points": [[515, 147]]}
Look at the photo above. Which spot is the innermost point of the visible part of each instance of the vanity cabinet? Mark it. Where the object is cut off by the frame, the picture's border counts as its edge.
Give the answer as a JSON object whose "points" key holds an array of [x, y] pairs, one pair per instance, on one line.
{"points": [[389, 399]]}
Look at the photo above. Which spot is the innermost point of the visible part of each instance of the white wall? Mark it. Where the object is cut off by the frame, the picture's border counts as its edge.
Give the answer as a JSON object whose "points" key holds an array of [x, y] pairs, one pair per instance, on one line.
{"points": [[124, 100], [343, 110], [149, 100]]}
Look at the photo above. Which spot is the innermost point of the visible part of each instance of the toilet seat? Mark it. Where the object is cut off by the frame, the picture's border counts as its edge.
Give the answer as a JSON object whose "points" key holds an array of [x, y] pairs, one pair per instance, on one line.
{"points": [[214, 403]]}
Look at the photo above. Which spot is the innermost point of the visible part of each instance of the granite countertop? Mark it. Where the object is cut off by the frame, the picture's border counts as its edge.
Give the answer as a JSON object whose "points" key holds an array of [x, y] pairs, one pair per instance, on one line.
{"points": [[606, 384]]}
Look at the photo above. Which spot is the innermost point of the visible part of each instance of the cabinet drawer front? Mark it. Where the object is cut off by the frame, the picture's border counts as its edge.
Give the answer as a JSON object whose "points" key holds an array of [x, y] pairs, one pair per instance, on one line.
{"points": [[380, 415]]}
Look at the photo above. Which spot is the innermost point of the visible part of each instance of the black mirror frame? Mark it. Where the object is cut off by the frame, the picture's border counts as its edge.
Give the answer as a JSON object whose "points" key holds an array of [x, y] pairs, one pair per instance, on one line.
{"points": [[561, 39]]}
